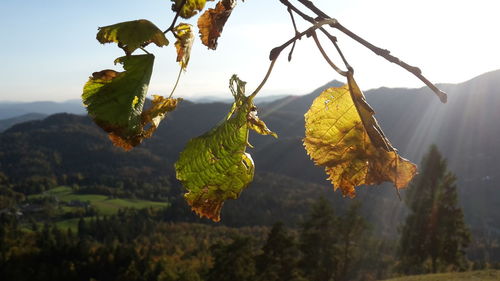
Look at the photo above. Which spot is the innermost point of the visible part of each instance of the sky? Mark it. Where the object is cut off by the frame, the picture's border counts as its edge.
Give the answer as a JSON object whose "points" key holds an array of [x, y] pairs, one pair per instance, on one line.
{"points": [[48, 48]]}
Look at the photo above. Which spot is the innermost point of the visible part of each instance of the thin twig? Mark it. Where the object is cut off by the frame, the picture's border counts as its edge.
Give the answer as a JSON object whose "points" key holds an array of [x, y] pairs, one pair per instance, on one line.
{"points": [[144, 50], [269, 70], [296, 32], [333, 39], [379, 51], [172, 25], [313, 8], [299, 12], [387, 55], [325, 56], [176, 82], [277, 50]]}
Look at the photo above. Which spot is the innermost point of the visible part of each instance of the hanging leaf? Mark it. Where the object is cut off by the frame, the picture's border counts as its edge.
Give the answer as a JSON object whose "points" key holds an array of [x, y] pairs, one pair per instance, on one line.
{"points": [[343, 136], [190, 7], [115, 101], [212, 22], [156, 113], [214, 167], [185, 38], [132, 35]]}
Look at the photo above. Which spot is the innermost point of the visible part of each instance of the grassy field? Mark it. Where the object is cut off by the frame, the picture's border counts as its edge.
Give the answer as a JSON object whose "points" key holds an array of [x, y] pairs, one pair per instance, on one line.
{"points": [[483, 275], [103, 204]]}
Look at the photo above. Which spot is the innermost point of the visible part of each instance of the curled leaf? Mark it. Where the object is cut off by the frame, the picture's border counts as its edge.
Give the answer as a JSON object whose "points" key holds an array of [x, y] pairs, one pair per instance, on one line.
{"points": [[343, 135], [115, 101], [185, 39], [212, 22], [214, 167], [258, 125], [190, 7], [156, 113], [131, 35]]}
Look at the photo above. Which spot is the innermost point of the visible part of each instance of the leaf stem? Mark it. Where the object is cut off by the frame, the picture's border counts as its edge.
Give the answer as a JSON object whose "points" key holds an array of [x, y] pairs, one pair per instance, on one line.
{"points": [[172, 25], [269, 70], [325, 56], [176, 82], [333, 39]]}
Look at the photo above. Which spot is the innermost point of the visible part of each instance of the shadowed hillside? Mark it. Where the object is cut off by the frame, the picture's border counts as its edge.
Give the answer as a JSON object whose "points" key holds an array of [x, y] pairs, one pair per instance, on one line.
{"points": [[69, 149]]}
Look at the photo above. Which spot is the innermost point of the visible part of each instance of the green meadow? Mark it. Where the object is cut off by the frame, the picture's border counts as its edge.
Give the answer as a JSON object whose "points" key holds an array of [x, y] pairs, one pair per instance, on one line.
{"points": [[102, 203]]}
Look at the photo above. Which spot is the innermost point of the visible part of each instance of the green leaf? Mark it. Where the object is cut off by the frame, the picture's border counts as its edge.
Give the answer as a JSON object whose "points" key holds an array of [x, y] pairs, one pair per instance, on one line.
{"points": [[185, 39], [214, 167], [115, 101], [343, 135], [132, 35], [190, 8]]}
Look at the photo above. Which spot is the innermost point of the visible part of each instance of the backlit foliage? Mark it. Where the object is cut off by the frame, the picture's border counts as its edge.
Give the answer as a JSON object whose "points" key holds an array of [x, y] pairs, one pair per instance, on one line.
{"points": [[342, 134]]}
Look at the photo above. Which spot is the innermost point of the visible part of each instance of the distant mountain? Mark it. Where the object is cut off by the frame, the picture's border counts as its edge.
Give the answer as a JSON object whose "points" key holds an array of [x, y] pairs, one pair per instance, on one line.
{"points": [[9, 122], [14, 109], [71, 148], [229, 99]]}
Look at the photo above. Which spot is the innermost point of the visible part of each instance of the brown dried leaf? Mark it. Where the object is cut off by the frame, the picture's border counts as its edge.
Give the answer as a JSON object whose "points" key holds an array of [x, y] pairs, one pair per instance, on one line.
{"points": [[343, 136], [212, 22]]}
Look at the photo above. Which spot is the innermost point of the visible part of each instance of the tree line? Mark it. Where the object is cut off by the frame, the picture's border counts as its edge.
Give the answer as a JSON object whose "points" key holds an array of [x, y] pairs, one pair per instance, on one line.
{"points": [[145, 245]]}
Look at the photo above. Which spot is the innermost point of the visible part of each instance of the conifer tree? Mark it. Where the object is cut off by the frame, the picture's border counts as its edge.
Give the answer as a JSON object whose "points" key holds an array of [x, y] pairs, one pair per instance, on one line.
{"points": [[233, 261], [318, 243], [434, 235], [280, 256], [352, 226]]}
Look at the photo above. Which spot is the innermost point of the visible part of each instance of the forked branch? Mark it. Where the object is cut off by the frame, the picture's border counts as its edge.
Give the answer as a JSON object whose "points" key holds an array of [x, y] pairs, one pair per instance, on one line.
{"points": [[321, 17]]}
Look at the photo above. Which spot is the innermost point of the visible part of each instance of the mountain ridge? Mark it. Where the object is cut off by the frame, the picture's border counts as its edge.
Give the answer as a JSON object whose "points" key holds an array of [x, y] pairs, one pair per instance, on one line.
{"points": [[464, 129]]}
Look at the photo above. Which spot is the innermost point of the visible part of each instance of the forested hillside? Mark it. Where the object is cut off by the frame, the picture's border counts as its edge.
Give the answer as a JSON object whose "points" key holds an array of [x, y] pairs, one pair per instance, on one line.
{"points": [[66, 149]]}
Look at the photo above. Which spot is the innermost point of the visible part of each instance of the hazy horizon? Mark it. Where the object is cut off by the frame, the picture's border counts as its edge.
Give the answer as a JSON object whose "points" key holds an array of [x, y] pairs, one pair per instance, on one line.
{"points": [[228, 97], [430, 38]]}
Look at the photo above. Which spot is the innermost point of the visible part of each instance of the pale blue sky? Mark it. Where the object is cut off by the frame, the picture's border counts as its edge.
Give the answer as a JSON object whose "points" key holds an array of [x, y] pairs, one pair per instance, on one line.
{"points": [[48, 48]]}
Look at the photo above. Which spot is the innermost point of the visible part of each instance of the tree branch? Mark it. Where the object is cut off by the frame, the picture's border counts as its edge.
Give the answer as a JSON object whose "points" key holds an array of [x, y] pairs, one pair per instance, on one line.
{"points": [[296, 32], [275, 52], [172, 25], [379, 51], [387, 55]]}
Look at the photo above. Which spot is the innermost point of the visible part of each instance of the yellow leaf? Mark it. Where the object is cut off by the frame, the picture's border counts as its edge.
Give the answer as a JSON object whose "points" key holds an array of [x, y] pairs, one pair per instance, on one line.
{"points": [[185, 39], [212, 22], [343, 135], [157, 112], [258, 125]]}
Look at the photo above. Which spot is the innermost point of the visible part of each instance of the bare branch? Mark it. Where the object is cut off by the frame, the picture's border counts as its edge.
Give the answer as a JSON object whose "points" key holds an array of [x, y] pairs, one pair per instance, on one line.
{"points": [[276, 51], [379, 51], [296, 32], [387, 55]]}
